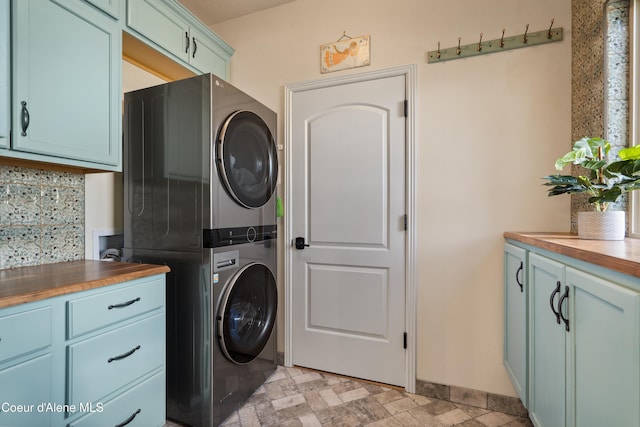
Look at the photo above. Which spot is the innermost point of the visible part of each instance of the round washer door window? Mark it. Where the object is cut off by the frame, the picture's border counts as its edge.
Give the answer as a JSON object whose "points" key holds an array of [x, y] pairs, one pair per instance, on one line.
{"points": [[248, 159], [247, 313]]}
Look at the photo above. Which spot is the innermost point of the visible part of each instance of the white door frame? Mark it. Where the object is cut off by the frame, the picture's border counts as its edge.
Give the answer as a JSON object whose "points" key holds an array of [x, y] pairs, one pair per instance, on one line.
{"points": [[409, 71]]}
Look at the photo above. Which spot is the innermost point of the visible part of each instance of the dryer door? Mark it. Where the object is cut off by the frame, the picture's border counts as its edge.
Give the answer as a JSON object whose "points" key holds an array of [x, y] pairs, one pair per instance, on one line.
{"points": [[247, 313], [247, 159]]}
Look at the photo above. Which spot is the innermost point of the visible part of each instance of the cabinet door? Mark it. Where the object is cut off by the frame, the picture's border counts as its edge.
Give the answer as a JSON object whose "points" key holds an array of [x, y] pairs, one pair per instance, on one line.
{"points": [[66, 68], [206, 55], [27, 384], [515, 318], [5, 115], [547, 348], [112, 7], [604, 369], [160, 24]]}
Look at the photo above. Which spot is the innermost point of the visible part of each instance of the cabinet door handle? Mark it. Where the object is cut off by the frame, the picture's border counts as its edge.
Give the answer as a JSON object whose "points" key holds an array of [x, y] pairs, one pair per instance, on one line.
{"points": [[123, 304], [518, 281], [195, 48], [128, 420], [123, 356], [24, 118], [186, 36], [564, 296], [553, 295]]}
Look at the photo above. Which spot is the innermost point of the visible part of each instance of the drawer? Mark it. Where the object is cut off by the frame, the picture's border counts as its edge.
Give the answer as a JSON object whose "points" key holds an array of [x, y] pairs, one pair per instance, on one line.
{"points": [[93, 312], [143, 405], [24, 332], [102, 364]]}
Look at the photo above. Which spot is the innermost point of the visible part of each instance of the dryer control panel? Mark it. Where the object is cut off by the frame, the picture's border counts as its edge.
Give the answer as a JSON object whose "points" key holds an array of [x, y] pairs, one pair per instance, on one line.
{"points": [[220, 237]]}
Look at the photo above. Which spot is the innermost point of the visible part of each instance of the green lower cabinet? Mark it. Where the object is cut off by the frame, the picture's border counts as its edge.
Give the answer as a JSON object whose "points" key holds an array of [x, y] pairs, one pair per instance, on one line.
{"points": [[604, 377], [515, 318], [26, 365], [61, 367], [547, 344], [24, 387], [584, 348]]}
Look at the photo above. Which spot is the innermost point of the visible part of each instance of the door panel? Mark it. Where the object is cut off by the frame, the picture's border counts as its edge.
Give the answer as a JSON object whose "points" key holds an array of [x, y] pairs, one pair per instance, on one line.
{"points": [[333, 292], [604, 319], [340, 164], [348, 202], [70, 100], [547, 406], [515, 333]]}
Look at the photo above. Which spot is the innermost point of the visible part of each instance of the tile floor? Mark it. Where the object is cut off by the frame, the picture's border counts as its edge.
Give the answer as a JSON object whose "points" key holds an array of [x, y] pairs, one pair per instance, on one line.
{"points": [[300, 397]]}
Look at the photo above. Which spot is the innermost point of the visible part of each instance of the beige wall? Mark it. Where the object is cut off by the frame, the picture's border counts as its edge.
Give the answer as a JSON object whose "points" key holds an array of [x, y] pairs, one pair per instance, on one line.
{"points": [[488, 129]]}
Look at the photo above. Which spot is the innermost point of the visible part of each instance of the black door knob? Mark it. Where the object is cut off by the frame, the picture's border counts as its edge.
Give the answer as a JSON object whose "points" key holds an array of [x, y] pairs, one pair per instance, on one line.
{"points": [[300, 244]]}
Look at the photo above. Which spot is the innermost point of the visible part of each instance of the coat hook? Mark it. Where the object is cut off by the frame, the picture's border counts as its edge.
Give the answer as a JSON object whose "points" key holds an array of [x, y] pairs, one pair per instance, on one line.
{"points": [[502, 38], [458, 50], [438, 54], [549, 32], [525, 39], [480, 43]]}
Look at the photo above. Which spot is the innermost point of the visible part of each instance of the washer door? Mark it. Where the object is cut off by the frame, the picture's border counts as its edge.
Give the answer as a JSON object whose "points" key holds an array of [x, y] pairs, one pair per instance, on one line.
{"points": [[247, 313], [247, 159]]}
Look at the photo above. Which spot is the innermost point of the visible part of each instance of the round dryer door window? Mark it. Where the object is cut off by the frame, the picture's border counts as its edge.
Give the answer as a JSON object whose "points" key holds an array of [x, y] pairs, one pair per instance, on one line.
{"points": [[248, 159], [247, 313]]}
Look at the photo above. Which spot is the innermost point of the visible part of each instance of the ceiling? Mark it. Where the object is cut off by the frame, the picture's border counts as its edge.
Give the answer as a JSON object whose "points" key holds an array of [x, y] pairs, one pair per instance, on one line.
{"points": [[213, 11]]}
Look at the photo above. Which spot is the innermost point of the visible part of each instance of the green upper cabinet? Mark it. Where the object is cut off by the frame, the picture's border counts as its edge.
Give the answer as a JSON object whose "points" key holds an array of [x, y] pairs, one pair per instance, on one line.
{"points": [[172, 29], [5, 114], [111, 7], [66, 84], [206, 54]]}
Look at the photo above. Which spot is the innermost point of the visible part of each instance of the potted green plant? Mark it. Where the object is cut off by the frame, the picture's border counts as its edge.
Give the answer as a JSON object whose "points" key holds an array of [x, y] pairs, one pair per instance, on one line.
{"points": [[606, 182]]}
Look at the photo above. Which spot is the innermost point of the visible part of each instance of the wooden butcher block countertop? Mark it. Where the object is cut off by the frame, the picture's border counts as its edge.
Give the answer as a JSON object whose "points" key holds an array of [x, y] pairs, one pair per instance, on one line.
{"points": [[621, 255], [26, 284]]}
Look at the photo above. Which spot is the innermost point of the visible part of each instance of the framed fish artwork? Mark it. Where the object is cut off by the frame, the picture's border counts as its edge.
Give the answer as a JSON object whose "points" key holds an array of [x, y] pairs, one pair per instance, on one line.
{"points": [[347, 52]]}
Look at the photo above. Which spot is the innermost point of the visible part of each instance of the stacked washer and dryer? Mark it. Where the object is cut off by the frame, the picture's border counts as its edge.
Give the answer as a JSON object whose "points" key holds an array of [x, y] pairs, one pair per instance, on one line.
{"points": [[200, 173]]}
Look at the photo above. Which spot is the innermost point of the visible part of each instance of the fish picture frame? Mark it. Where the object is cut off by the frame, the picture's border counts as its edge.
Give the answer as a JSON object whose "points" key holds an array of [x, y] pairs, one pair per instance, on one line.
{"points": [[346, 52]]}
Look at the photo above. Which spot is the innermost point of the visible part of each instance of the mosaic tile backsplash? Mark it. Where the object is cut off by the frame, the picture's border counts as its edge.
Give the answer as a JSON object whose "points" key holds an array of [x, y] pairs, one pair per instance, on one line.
{"points": [[600, 78], [41, 216]]}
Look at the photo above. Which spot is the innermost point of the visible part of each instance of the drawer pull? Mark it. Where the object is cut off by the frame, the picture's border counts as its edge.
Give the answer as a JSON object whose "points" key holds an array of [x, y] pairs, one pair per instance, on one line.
{"points": [[124, 304], [560, 303], [551, 300], [122, 356], [128, 420], [24, 118], [520, 270]]}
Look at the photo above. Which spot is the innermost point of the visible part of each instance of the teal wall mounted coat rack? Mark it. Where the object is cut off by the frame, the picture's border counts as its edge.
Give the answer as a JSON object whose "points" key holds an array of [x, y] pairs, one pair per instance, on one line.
{"points": [[497, 45]]}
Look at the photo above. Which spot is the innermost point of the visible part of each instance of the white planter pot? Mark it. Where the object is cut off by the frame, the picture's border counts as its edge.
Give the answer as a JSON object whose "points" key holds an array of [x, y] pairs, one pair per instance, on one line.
{"points": [[609, 225]]}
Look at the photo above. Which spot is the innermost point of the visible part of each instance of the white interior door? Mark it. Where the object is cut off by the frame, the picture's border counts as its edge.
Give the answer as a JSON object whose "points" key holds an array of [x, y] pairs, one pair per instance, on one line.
{"points": [[347, 200]]}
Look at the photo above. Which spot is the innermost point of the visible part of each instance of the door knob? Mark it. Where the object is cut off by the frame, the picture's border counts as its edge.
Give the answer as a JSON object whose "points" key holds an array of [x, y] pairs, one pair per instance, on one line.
{"points": [[300, 244]]}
